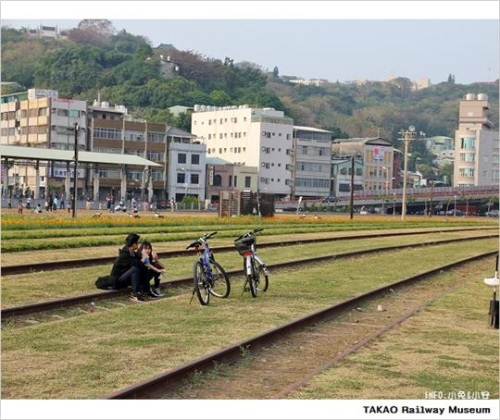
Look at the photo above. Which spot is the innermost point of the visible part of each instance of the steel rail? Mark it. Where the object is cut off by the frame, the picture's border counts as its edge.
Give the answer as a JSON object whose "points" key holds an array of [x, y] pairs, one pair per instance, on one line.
{"points": [[11, 312], [163, 383], [91, 262]]}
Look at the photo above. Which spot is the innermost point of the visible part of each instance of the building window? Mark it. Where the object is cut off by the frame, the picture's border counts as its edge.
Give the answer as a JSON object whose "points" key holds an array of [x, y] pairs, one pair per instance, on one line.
{"points": [[181, 177], [195, 159], [217, 181], [248, 181], [195, 179], [181, 158], [467, 143]]}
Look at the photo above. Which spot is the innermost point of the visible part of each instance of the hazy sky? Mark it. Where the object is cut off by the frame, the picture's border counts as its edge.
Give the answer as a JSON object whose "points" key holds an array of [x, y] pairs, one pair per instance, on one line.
{"points": [[341, 41]]}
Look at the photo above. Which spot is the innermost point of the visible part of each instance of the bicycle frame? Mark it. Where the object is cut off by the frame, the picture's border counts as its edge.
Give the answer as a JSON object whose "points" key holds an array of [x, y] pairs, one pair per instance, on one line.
{"points": [[206, 257], [209, 277], [256, 273]]}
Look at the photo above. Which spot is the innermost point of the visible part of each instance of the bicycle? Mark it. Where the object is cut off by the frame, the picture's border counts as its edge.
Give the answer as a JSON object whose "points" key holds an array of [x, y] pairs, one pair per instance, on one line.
{"points": [[257, 275], [208, 275]]}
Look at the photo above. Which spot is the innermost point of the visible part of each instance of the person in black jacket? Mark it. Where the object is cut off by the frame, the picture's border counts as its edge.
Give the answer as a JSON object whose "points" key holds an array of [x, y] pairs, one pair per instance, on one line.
{"points": [[128, 268]]}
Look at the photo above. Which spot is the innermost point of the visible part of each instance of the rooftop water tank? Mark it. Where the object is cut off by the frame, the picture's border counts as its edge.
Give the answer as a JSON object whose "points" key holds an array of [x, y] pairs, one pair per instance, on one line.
{"points": [[196, 108], [482, 97], [470, 97], [104, 104]]}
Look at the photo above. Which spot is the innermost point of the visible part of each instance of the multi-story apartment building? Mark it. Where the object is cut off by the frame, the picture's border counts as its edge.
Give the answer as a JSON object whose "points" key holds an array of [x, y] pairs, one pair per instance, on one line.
{"points": [[41, 119], [372, 160], [476, 144], [311, 162], [251, 137], [113, 130], [187, 166]]}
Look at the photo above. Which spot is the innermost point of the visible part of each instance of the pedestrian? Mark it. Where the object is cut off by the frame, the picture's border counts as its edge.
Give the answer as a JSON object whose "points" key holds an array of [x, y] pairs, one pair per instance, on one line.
{"points": [[9, 202], [28, 203], [129, 268], [61, 202], [20, 207], [54, 203], [155, 267], [38, 208]]}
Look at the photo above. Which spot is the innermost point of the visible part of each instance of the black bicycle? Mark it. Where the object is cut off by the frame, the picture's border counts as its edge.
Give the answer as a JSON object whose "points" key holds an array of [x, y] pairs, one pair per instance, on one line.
{"points": [[208, 275], [256, 273]]}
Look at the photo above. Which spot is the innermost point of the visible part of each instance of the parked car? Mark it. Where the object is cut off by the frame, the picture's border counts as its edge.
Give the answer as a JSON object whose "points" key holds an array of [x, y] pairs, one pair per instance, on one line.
{"points": [[455, 212], [492, 213], [330, 199]]}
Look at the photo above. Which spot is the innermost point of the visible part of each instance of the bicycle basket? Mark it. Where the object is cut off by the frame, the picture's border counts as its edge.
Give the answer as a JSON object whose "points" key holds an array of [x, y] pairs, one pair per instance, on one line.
{"points": [[243, 245]]}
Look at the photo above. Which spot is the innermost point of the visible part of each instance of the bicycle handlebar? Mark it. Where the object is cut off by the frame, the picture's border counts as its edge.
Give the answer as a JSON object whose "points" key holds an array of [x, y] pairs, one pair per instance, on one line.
{"points": [[252, 232], [201, 240]]}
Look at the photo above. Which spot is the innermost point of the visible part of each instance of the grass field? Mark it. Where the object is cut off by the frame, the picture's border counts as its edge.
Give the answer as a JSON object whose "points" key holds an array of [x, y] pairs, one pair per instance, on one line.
{"points": [[84, 357]]}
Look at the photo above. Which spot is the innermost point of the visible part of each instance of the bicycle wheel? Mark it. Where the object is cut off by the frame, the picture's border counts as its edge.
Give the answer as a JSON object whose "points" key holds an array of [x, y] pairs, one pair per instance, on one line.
{"points": [[220, 281], [200, 284], [252, 280], [262, 277]]}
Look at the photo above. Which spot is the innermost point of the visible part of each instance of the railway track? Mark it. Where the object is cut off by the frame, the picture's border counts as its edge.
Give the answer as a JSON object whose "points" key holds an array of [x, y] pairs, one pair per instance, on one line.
{"points": [[37, 308], [166, 384], [10, 270]]}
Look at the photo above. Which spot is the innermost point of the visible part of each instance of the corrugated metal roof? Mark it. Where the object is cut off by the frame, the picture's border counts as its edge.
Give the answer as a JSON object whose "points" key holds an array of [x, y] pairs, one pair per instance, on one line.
{"points": [[301, 127], [36, 153]]}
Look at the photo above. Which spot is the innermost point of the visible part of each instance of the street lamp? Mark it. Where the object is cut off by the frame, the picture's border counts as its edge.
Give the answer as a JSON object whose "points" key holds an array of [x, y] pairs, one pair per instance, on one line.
{"points": [[455, 206], [408, 135]]}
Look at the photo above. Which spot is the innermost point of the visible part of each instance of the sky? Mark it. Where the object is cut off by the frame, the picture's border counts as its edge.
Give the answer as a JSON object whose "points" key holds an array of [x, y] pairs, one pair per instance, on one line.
{"points": [[332, 40]]}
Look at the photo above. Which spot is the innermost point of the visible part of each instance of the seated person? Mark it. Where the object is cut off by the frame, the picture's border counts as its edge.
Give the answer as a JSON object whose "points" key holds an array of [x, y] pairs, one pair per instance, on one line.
{"points": [[129, 268], [154, 266]]}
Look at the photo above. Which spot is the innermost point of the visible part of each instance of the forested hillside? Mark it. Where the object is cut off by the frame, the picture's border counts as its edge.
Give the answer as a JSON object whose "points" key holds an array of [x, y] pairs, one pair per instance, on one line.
{"points": [[126, 69]]}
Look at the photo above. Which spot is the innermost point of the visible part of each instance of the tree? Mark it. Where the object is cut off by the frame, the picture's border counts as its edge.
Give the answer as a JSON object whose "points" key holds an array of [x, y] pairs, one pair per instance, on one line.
{"points": [[96, 32], [447, 173], [71, 70], [128, 43], [183, 121], [219, 98]]}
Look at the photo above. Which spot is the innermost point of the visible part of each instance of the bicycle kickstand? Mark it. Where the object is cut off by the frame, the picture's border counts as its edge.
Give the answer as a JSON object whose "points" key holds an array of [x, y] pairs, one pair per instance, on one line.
{"points": [[192, 295]]}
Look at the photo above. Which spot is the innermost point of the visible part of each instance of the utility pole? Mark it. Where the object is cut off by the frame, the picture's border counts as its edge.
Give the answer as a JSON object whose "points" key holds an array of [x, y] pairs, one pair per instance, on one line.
{"points": [[351, 198], [75, 174], [407, 136]]}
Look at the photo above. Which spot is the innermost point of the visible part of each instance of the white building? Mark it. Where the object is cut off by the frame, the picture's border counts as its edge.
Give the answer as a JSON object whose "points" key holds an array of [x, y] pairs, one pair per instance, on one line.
{"points": [[311, 162], [251, 137], [186, 168], [476, 144]]}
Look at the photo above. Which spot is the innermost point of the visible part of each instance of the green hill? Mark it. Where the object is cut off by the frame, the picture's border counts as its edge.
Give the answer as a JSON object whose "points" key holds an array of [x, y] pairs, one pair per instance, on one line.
{"points": [[125, 69]]}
